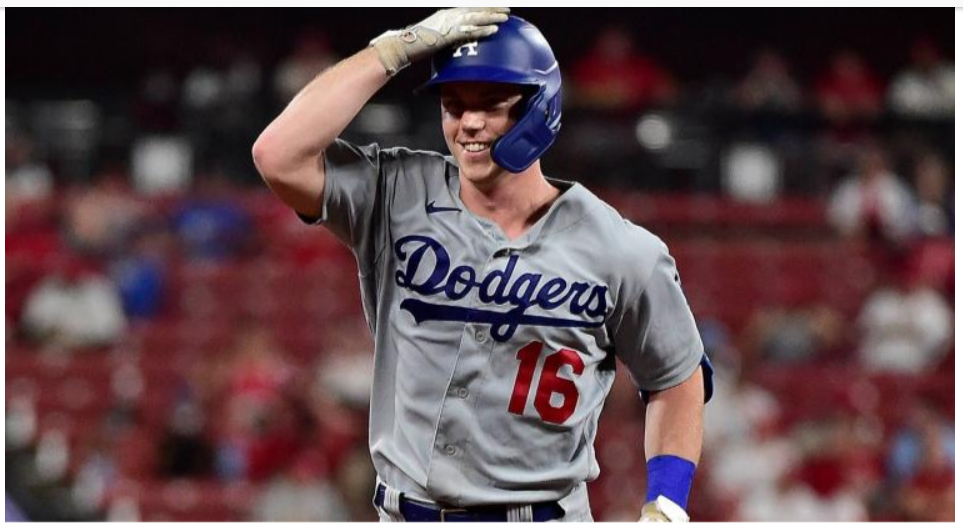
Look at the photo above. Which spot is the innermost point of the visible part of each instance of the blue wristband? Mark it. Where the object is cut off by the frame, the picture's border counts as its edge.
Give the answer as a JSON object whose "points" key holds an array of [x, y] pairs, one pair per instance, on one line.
{"points": [[669, 476]]}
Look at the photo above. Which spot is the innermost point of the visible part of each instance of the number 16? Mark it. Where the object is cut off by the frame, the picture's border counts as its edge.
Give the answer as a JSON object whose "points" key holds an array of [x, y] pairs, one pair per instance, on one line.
{"points": [[548, 383]]}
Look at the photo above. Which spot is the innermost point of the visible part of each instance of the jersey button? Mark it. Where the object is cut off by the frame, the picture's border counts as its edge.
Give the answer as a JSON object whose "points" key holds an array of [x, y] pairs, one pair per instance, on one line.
{"points": [[463, 393], [450, 450], [480, 336]]}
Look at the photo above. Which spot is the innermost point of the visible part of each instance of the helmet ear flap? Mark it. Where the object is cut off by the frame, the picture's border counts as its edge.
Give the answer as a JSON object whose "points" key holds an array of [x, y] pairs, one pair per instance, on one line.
{"points": [[531, 135]]}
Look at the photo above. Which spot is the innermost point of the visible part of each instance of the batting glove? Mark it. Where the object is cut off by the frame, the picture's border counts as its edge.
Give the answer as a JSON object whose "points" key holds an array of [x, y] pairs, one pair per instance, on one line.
{"points": [[398, 49], [663, 509]]}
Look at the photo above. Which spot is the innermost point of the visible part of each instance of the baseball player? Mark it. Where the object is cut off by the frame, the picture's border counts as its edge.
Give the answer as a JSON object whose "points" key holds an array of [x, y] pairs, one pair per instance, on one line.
{"points": [[498, 297]]}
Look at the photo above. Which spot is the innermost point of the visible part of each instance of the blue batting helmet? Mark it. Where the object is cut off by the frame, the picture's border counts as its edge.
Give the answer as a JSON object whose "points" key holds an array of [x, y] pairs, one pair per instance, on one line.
{"points": [[517, 54]]}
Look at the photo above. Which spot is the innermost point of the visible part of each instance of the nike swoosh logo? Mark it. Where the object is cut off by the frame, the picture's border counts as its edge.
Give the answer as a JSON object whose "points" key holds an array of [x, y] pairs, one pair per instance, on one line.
{"points": [[431, 208]]}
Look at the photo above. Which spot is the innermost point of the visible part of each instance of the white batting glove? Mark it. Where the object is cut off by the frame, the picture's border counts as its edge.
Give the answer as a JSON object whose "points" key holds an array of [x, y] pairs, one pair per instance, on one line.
{"points": [[664, 509], [398, 49]]}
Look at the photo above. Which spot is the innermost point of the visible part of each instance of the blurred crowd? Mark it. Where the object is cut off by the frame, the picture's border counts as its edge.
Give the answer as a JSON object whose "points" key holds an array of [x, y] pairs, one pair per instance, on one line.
{"points": [[171, 328]]}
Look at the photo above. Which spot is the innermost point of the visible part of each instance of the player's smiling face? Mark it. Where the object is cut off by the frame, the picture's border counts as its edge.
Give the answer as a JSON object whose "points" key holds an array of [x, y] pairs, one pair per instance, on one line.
{"points": [[474, 114]]}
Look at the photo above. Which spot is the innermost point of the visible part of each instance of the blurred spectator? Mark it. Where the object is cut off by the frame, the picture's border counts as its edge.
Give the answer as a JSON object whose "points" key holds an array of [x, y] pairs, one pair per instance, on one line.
{"points": [[849, 91], [99, 218], [121, 450], [922, 461], [161, 165], [339, 397], [184, 449], [301, 493], [155, 108], [768, 86], [616, 76], [96, 474], [926, 88], [837, 471], [257, 433], [746, 469], [20, 414], [226, 74], [222, 112], [793, 335], [74, 307], [28, 179], [32, 233], [906, 324], [790, 500], [140, 273], [748, 449], [930, 496], [928, 439], [746, 412], [726, 357], [873, 203], [935, 208], [843, 466], [311, 54], [211, 224], [127, 385], [30, 254]]}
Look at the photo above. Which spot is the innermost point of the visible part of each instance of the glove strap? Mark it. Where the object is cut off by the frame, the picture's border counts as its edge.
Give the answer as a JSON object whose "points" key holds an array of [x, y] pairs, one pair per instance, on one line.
{"points": [[390, 47]]}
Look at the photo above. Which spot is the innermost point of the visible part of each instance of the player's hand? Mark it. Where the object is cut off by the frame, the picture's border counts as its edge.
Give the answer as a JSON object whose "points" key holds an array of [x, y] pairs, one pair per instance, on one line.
{"points": [[398, 49], [663, 509]]}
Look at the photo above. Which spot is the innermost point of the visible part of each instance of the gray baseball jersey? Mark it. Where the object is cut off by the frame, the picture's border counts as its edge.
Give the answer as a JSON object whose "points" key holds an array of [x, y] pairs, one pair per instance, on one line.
{"points": [[493, 357]]}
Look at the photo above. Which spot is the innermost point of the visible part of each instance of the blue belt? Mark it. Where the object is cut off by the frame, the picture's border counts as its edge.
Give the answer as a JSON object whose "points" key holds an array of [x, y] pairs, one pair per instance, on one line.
{"points": [[414, 511]]}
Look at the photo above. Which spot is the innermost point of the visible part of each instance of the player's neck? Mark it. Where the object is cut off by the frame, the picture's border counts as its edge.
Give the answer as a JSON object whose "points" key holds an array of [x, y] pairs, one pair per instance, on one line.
{"points": [[513, 201]]}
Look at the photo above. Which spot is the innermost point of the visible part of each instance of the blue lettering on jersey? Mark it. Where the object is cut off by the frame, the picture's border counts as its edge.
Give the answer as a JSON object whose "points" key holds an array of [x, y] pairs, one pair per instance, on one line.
{"points": [[499, 287]]}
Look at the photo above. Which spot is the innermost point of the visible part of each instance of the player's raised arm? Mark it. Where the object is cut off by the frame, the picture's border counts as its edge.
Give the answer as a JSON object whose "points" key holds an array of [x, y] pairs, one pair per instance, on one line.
{"points": [[289, 152]]}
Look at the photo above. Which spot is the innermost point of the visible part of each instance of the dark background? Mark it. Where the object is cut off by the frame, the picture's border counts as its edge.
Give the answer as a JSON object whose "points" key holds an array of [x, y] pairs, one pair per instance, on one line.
{"points": [[83, 50]]}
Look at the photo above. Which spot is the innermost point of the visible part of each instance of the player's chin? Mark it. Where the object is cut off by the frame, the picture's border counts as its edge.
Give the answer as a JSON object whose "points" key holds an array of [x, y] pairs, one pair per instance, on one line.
{"points": [[477, 168], [482, 173]]}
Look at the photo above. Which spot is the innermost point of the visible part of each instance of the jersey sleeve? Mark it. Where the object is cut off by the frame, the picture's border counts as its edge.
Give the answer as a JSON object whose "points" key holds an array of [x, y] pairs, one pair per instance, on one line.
{"points": [[354, 195], [656, 335]]}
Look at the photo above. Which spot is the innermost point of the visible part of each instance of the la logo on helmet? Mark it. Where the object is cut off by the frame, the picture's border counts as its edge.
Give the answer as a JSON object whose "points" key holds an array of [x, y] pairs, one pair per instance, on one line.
{"points": [[472, 50]]}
